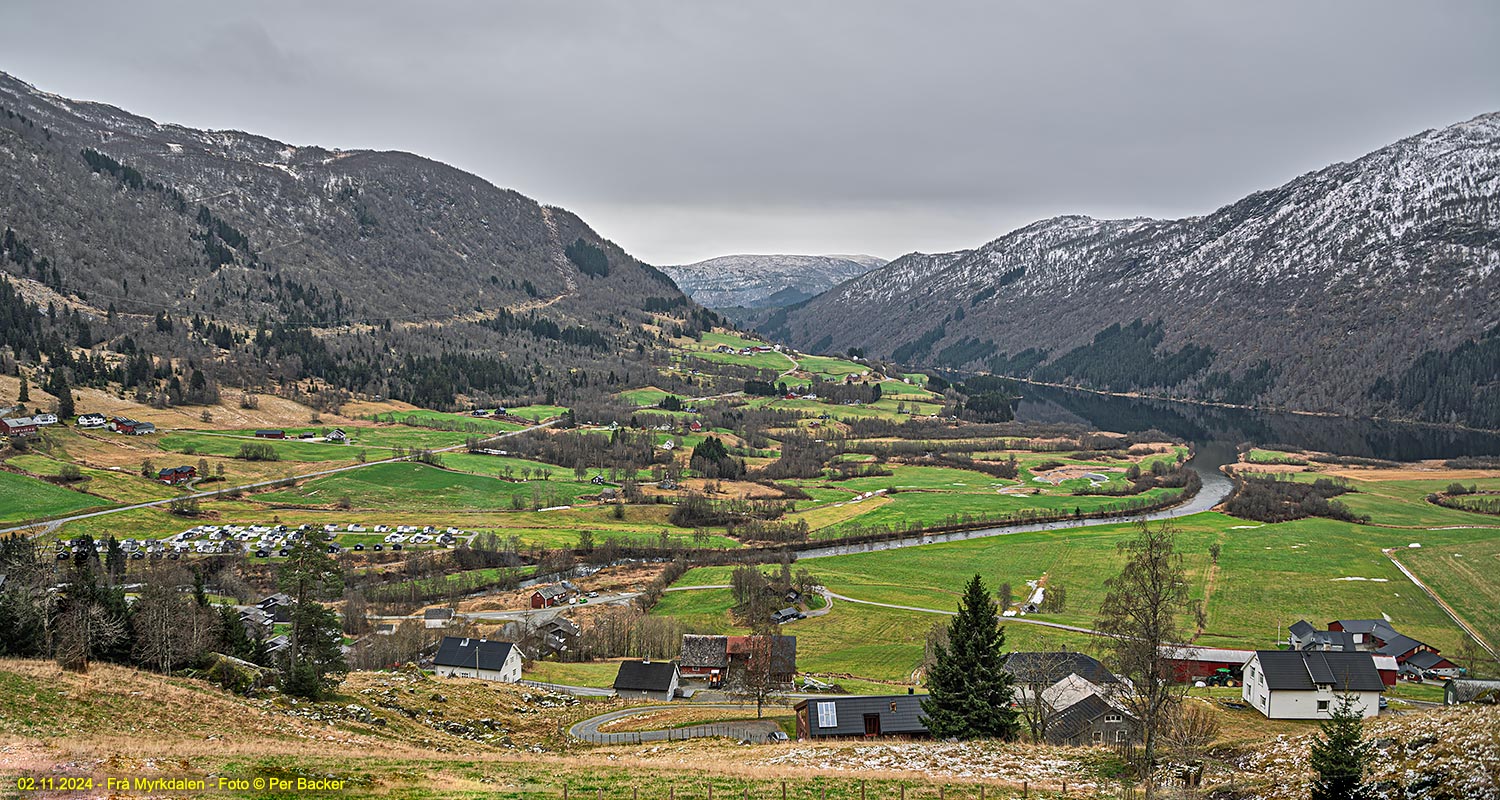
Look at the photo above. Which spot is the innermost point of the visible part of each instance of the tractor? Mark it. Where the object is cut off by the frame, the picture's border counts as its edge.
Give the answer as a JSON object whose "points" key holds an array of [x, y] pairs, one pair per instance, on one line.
{"points": [[1223, 676]]}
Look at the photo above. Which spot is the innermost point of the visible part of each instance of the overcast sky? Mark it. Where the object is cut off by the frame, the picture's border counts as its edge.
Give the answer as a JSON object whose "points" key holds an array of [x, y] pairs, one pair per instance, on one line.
{"points": [[696, 128]]}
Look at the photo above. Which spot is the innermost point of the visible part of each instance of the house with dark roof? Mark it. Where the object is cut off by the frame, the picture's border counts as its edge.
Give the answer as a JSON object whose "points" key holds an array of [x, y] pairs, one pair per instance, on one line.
{"points": [[437, 617], [278, 606], [1050, 667], [560, 634], [868, 716], [91, 421], [175, 475], [336, 435], [1307, 684], [270, 434], [1469, 690], [647, 680], [1427, 664], [477, 658], [1092, 720]]}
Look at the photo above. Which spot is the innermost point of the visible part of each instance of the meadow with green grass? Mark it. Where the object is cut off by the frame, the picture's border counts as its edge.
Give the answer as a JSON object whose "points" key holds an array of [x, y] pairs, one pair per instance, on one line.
{"points": [[28, 498]]}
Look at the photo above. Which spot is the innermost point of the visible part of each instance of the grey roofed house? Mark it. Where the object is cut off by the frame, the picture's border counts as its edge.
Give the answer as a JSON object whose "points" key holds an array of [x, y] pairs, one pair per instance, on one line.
{"points": [[646, 676], [704, 652], [1470, 690], [438, 613], [1078, 723], [481, 654], [874, 715], [1305, 670], [1051, 667], [276, 644]]}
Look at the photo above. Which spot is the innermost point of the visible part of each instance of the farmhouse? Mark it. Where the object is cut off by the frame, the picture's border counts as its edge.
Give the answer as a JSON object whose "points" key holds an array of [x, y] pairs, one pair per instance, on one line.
{"points": [[871, 716], [270, 434], [45, 419], [741, 649], [1412, 657], [337, 435], [176, 475], [437, 617], [1469, 690], [91, 421], [478, 658], [18, 426], [704, 657], [648, 680], [1307, 684]]}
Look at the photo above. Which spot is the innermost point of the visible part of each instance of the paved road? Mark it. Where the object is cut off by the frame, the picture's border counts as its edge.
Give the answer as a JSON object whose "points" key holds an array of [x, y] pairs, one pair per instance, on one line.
{"points": [[756, 730], [563, 688], [1447, 609], [44, 526]]}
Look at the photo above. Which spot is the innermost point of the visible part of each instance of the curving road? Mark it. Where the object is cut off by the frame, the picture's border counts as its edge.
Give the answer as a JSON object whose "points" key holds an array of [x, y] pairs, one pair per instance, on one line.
{"points": [[40, 527], [756, 730]]}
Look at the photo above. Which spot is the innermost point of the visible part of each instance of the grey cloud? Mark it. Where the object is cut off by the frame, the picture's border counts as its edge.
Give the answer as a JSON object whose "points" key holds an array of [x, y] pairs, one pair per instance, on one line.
{"points": [[685, 130]]}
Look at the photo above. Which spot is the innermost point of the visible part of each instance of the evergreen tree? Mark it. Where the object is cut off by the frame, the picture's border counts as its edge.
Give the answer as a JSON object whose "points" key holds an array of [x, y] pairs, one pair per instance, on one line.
{"points": [[25, 396], [64, 395], [970, 691], [314, 662], [1340, 755]]}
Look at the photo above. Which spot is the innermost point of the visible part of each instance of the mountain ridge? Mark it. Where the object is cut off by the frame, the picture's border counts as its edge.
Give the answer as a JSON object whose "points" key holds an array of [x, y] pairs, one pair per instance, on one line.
{"points": [[1337, 279], [760, 281]]}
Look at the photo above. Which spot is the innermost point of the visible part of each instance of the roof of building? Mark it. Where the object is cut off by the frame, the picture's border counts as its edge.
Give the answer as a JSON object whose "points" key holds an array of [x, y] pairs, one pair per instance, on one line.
{"points": [[1076, 718], [1301, 629], [700, 651], [1051, 667], [783, 650], [1378, 627], [438, 613], [561, 625], [646, 676], [556, 590], [457, 651], [1398, 644], [1425, 659], [278, 599], [1469, 690], [1305, 670]]}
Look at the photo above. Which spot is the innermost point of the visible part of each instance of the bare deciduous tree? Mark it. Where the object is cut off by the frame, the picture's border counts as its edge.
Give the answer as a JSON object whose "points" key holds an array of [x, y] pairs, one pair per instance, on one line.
{"points": [[1138, 619], [80, 630]]}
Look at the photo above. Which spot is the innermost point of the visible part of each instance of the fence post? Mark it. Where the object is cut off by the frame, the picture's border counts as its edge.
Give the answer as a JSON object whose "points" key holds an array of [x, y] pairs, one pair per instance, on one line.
{"points": [[861, 790], [710, 791], [565, 791], [1025, 788], [599, 793], [981, 791], [903, 791], [635, 793], [783, 790]]}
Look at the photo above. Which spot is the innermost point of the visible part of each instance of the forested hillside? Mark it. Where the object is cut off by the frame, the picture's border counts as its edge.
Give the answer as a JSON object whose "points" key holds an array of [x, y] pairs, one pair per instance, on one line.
{"points": [[143, 253], [1368, 287]]}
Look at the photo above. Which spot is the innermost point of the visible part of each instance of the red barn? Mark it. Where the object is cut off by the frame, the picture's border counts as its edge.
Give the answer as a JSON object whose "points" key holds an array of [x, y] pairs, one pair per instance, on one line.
{"points": [[270, 434], [18, 426]]}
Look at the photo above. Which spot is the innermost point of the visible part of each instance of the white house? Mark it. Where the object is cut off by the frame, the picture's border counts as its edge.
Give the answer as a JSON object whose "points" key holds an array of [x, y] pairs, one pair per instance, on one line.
{"points": [[91, 421], [437, 617], [45, 419], [478, 658], [1307, 684]]}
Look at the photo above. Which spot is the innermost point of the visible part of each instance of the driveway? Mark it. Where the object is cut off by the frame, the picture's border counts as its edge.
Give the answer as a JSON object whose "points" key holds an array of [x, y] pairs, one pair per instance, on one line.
{"points": [[756, 730]]}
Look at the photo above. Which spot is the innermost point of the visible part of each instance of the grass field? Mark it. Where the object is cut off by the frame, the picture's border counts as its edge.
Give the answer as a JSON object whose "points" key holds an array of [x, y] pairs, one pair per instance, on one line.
{"points": [[123, 487], [217, 444], [28, 498], [1464, 573], [412, 486]]}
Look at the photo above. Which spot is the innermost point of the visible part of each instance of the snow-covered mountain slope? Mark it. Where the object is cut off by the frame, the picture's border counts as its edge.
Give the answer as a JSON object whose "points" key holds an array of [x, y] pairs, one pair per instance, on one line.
{"points": [[1339, 278], [767, 281]]}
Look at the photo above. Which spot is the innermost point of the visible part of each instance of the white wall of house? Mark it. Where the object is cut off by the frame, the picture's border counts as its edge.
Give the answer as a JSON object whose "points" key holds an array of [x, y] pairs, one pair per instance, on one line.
{"points": [[1289, 704], [509, 672]]}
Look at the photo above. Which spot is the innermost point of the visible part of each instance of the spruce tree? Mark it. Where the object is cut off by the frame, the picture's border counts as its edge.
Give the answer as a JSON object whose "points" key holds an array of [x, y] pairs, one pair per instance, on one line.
{"points": [[25, 396], [970, 691], [1340, 755]]}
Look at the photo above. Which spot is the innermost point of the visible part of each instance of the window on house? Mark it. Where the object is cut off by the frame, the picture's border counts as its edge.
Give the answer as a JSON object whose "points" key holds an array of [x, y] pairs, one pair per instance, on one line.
{"points": [[1111, 717], [1322, 705], [1119, 736], [1098, 737], [893, 707]]}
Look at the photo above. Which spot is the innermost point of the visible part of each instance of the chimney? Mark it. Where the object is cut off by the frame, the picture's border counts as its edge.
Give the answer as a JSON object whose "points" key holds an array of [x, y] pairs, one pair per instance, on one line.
{"points": [[911, 690]]}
